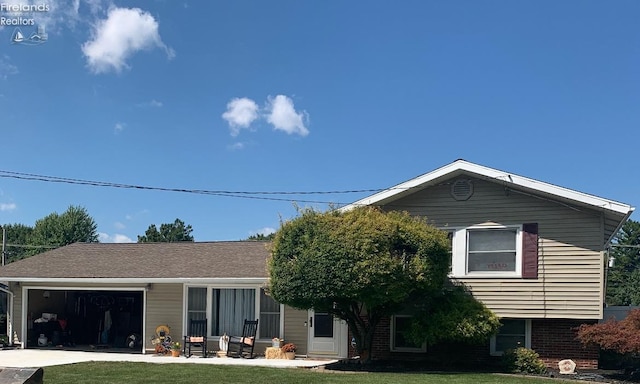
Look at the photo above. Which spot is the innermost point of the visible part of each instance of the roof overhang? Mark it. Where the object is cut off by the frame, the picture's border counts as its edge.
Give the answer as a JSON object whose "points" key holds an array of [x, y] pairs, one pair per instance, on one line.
{"points": [[98, 281], [508, 179], [613, 210]]}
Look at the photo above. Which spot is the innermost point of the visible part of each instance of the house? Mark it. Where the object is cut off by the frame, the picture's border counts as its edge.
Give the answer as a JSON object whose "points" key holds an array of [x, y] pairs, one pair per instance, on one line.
{"points": [[532, 252], [106, 292]]}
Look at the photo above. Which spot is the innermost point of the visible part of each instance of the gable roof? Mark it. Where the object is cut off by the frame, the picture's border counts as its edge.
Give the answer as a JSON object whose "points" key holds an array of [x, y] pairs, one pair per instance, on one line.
{"points": [[144, 262], [615, 213]]}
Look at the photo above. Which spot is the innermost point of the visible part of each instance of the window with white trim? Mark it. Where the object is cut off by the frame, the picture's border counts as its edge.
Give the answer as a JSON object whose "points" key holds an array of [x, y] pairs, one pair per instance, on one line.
{"points": [[227, 308], [400, 341], [269, 316], [490, 251], [513, 333]]}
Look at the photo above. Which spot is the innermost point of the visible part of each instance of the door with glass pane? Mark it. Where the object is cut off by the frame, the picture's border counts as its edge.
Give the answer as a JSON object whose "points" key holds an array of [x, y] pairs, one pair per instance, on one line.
{"points": [[326, 334]]}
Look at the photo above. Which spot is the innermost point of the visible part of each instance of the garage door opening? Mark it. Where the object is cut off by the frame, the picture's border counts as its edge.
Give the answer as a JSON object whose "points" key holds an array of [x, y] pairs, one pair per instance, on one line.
{"points": [[85, 320]]}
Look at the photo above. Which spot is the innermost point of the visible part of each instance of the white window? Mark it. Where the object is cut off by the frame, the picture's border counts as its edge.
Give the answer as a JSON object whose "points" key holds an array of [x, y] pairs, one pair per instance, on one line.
{"points": [[269, 316], [487, 251], [514, 333], [227, 308], [400, 341]]}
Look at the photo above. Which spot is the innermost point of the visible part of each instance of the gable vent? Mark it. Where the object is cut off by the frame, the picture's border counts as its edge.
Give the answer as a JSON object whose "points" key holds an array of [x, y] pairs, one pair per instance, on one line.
{"points": [[462, 189]]}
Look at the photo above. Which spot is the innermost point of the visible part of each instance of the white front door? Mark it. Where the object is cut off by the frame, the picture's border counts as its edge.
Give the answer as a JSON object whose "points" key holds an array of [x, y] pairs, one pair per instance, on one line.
{"points": [[327, 335]]}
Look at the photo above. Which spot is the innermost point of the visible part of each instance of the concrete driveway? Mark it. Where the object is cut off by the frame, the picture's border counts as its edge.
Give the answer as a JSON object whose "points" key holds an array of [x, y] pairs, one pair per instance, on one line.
{"points": [[27, 358]]}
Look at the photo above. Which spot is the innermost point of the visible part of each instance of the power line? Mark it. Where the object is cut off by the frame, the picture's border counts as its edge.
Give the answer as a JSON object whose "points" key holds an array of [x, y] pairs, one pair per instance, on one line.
{"points": [[258, 195]]}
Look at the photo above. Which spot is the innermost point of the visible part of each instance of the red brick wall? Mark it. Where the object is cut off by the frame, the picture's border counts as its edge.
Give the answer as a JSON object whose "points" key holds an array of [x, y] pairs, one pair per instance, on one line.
{"points": [[555, 340], [552, 339]]}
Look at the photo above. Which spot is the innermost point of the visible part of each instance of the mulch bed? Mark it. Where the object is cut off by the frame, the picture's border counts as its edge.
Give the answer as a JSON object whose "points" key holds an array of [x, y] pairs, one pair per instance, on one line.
{"points": [[593, 375]]}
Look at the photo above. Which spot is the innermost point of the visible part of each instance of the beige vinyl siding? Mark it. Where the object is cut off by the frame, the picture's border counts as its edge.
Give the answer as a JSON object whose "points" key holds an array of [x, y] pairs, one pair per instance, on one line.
{"points": [[570, 257], [17, 310], [295, 329], [164, 307]]}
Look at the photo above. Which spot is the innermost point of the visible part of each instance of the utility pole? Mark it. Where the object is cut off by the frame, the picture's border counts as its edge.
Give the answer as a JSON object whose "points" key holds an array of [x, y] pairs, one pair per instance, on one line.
{"points": [[4, 243]]}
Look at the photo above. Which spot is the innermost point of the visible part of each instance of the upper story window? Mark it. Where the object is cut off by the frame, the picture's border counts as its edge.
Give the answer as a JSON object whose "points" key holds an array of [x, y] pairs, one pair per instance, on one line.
{"points": [[492, 250], [487, 251]]}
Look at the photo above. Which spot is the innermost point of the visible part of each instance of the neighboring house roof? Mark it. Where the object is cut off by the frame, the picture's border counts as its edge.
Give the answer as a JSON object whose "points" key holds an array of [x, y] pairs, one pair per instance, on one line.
{"points": [[615, 213], [144, 262]]}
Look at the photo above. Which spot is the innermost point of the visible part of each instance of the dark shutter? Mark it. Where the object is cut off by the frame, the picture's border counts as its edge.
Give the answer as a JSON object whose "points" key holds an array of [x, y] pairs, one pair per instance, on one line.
{"points": [[530, 251]]}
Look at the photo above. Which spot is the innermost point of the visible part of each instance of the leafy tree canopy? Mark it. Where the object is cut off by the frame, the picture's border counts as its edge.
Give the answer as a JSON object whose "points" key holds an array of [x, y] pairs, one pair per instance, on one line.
{"points": [[623, 280], [262, 237], [168, 233], [56, 230], [17, 241], [361, 265]]}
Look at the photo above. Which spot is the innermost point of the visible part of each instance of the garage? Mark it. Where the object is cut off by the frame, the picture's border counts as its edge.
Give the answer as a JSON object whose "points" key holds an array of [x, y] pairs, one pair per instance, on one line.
{"points": [[81, 319]]}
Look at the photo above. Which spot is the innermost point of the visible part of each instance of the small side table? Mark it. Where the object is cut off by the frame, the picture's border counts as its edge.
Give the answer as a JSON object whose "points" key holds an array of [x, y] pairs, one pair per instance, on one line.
{"points": [[274, 353]]}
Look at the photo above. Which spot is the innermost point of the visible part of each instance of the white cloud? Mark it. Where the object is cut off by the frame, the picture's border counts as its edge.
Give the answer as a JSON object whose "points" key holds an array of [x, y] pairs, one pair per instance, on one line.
{"points": [[6, 68], [241, 112], [118, 225], [119, 127], [116, 238], [264, 231], [151, 104], [236, 146], [7, 207], [282, 114], [115, 39]]}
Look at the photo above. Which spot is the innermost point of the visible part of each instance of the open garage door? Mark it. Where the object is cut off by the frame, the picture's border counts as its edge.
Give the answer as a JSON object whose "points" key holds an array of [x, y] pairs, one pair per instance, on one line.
{"points": [[85, 319]]}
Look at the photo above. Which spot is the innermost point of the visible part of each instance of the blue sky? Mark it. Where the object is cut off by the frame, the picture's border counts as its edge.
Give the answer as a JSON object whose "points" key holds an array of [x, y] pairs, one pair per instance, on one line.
{"points": [[308, 96]]}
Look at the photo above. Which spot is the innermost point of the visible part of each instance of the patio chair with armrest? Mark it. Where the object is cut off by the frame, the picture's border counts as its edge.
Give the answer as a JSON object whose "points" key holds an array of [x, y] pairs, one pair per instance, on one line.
{"points": [[242, 346], [196, 337]]}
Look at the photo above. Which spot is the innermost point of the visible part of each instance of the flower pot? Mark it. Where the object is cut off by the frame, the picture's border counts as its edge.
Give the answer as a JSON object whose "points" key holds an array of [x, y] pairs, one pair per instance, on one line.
{"points": [[276, 344], [290, 355], [175, 352]]}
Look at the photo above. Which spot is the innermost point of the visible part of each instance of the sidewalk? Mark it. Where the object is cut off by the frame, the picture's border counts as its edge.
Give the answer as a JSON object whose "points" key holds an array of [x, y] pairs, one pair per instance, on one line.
{"points": [[25, 358]]}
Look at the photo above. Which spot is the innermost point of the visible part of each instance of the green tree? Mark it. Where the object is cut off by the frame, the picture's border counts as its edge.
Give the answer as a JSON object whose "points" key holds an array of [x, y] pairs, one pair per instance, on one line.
{"points": [[262, 237], [17, 241], [168, 233], [623, 279], [56, 230], [361, 266]]}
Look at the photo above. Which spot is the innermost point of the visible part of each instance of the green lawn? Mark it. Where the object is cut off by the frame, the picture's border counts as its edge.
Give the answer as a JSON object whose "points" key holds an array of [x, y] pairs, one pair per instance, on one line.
{"points": [[131, 373]]}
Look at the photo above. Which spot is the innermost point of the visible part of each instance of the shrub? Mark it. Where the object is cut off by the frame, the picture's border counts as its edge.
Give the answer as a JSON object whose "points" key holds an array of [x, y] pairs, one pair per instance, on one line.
{"points": [[523, 360], [620, 336]]}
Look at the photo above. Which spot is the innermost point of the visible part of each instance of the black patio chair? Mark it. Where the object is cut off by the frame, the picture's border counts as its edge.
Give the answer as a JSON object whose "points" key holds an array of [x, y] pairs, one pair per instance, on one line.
{"points": [[196, 337], [242, 346]]}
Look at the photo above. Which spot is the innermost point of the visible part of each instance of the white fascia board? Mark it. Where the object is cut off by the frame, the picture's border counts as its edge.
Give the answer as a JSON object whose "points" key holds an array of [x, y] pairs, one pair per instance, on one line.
{"points": [[225, 280], [501, 176]]}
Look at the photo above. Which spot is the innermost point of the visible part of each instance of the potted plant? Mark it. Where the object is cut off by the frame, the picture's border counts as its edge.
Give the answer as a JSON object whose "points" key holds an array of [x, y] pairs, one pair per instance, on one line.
{"points": [[175, 349], [289, 350], [276, 342]]}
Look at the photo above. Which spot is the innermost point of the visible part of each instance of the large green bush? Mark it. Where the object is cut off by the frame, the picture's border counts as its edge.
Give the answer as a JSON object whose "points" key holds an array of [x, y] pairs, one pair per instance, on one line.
{"points": [[523, 360]]}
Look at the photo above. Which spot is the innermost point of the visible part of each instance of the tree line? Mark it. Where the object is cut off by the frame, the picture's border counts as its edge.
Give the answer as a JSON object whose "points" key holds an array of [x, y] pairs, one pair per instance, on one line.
{"points": [[72, 226]]}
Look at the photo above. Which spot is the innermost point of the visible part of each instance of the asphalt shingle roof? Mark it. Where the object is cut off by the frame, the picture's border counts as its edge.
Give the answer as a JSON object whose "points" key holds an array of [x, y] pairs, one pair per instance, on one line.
{"points": [[230, 259]]}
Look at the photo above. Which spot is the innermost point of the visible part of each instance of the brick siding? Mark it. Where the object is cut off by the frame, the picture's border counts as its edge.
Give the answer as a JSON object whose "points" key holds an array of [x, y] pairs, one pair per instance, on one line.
{"points": [[555, 340], [552, 339]]}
